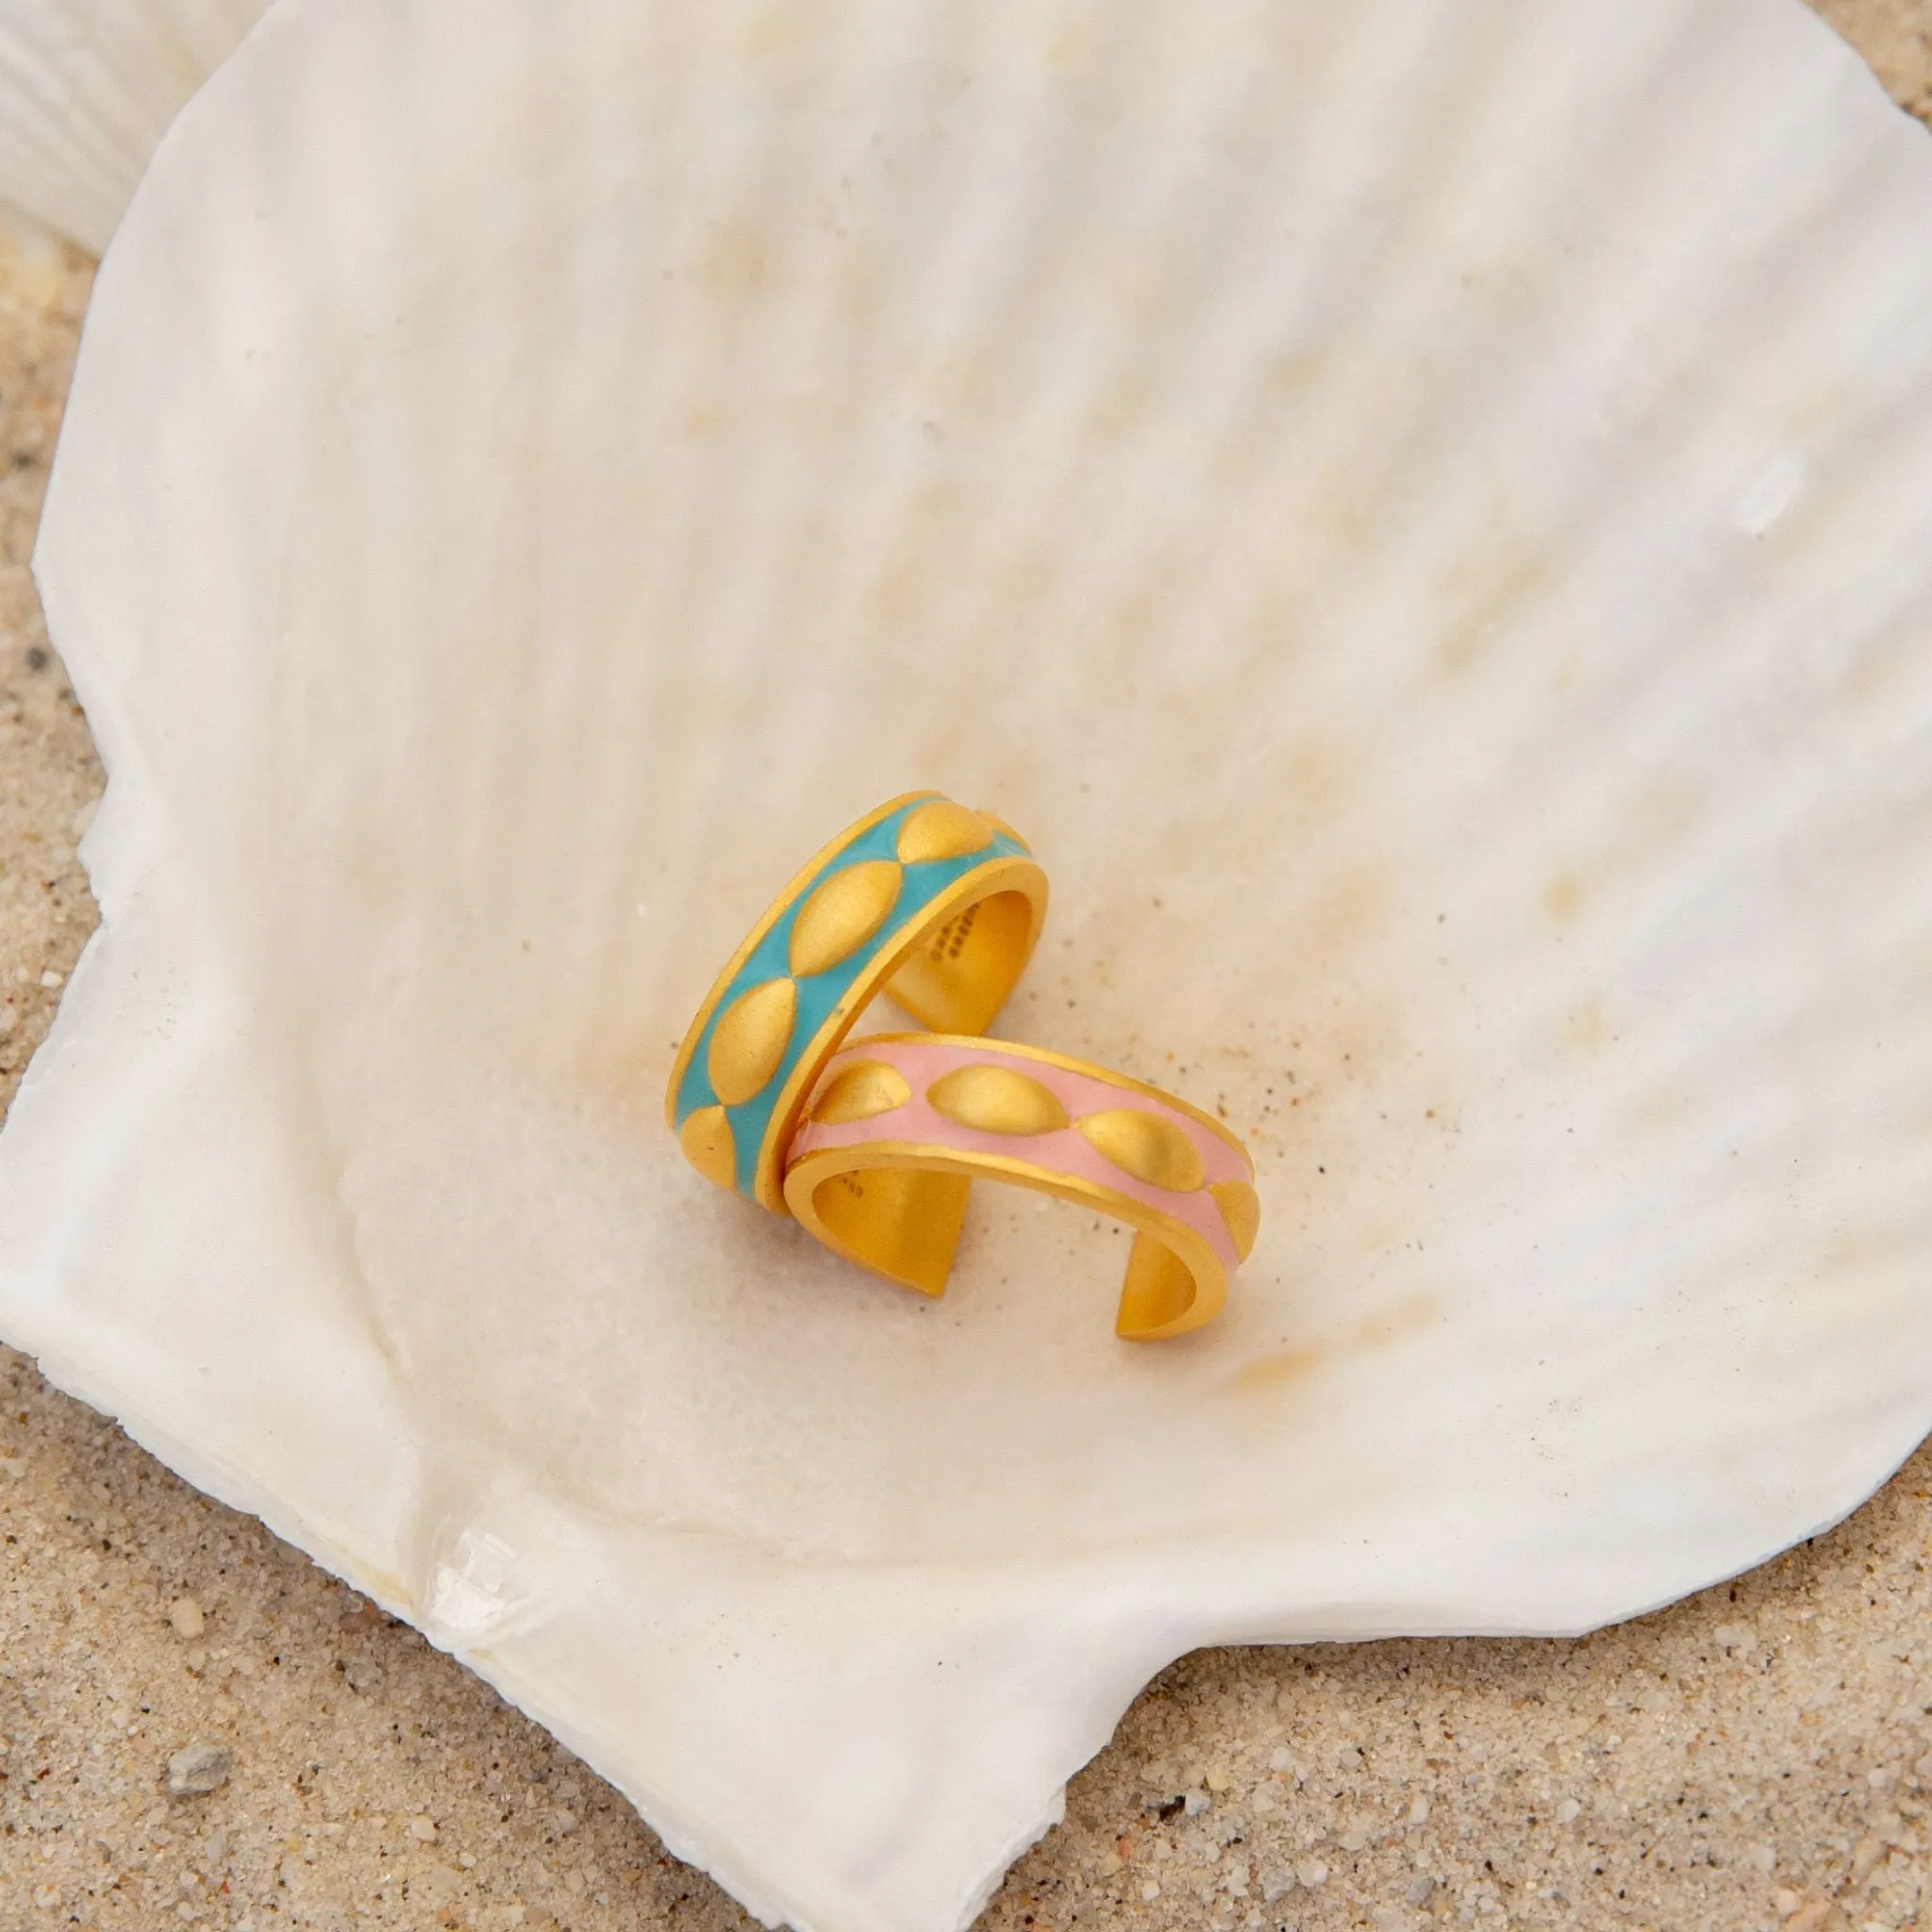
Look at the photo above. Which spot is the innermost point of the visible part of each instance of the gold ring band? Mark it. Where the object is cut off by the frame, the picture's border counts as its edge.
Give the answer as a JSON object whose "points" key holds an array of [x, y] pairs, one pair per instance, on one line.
{"points": [[902, 1124], [935, 905]]}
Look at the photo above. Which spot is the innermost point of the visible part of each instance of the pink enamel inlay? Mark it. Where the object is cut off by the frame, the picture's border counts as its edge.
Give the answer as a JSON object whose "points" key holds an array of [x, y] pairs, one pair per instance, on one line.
{"points": [[925, 1060]]}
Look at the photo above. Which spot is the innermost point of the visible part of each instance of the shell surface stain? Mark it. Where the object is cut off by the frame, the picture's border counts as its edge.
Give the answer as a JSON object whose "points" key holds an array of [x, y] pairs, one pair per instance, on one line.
{"points": [[842, 914], [1277, 1370], [995, 1100], [1146, 1147], [750, 1041]]}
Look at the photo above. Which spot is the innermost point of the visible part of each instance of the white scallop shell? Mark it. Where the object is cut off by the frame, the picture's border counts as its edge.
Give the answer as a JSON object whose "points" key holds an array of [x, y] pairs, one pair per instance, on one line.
{"points": [[1421, 512], [88, 86]]}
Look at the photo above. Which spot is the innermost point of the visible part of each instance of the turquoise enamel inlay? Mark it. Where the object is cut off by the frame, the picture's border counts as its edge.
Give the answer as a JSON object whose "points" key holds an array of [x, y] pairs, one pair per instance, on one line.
{"points": [[819, 992]]}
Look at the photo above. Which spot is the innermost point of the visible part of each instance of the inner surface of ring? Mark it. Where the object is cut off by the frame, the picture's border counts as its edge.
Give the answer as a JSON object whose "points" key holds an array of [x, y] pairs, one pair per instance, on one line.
{"points": [[904, 1223], [959, 975], [1159, 1288]]}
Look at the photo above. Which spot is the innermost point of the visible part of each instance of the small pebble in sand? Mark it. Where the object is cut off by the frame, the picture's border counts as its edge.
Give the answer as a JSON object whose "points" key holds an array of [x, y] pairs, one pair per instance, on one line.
{"points": [[199, 1769], [183, 1613], [424, 1828], [1866, 1856], [1819, 1915], [50, 979]]}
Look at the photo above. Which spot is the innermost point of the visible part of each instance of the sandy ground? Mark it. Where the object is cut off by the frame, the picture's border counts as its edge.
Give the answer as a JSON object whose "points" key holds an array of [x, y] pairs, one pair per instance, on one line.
{"points": [[1760, 1754]]}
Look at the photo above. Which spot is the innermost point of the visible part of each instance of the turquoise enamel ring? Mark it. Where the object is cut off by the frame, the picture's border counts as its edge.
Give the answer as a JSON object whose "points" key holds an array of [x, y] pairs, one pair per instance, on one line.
{"points": [[936, 906]]}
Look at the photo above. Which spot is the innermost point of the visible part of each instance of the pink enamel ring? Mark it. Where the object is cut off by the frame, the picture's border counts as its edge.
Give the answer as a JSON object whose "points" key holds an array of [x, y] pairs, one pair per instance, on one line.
{"points": [[901, 1125]]}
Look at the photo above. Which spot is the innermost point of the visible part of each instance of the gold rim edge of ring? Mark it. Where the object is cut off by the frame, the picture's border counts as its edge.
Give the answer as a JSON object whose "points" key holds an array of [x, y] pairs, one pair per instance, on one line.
{"points": [[853, 1156]]}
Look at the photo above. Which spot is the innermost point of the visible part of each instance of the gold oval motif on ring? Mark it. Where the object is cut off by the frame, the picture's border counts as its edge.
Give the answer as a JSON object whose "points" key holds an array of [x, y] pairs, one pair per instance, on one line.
{"points": [[1240, 1208], [750, 1041], [858, 1092], [995, 1100], [1145, 1145], [842, 914], [943, 831], [708, 1146]]}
